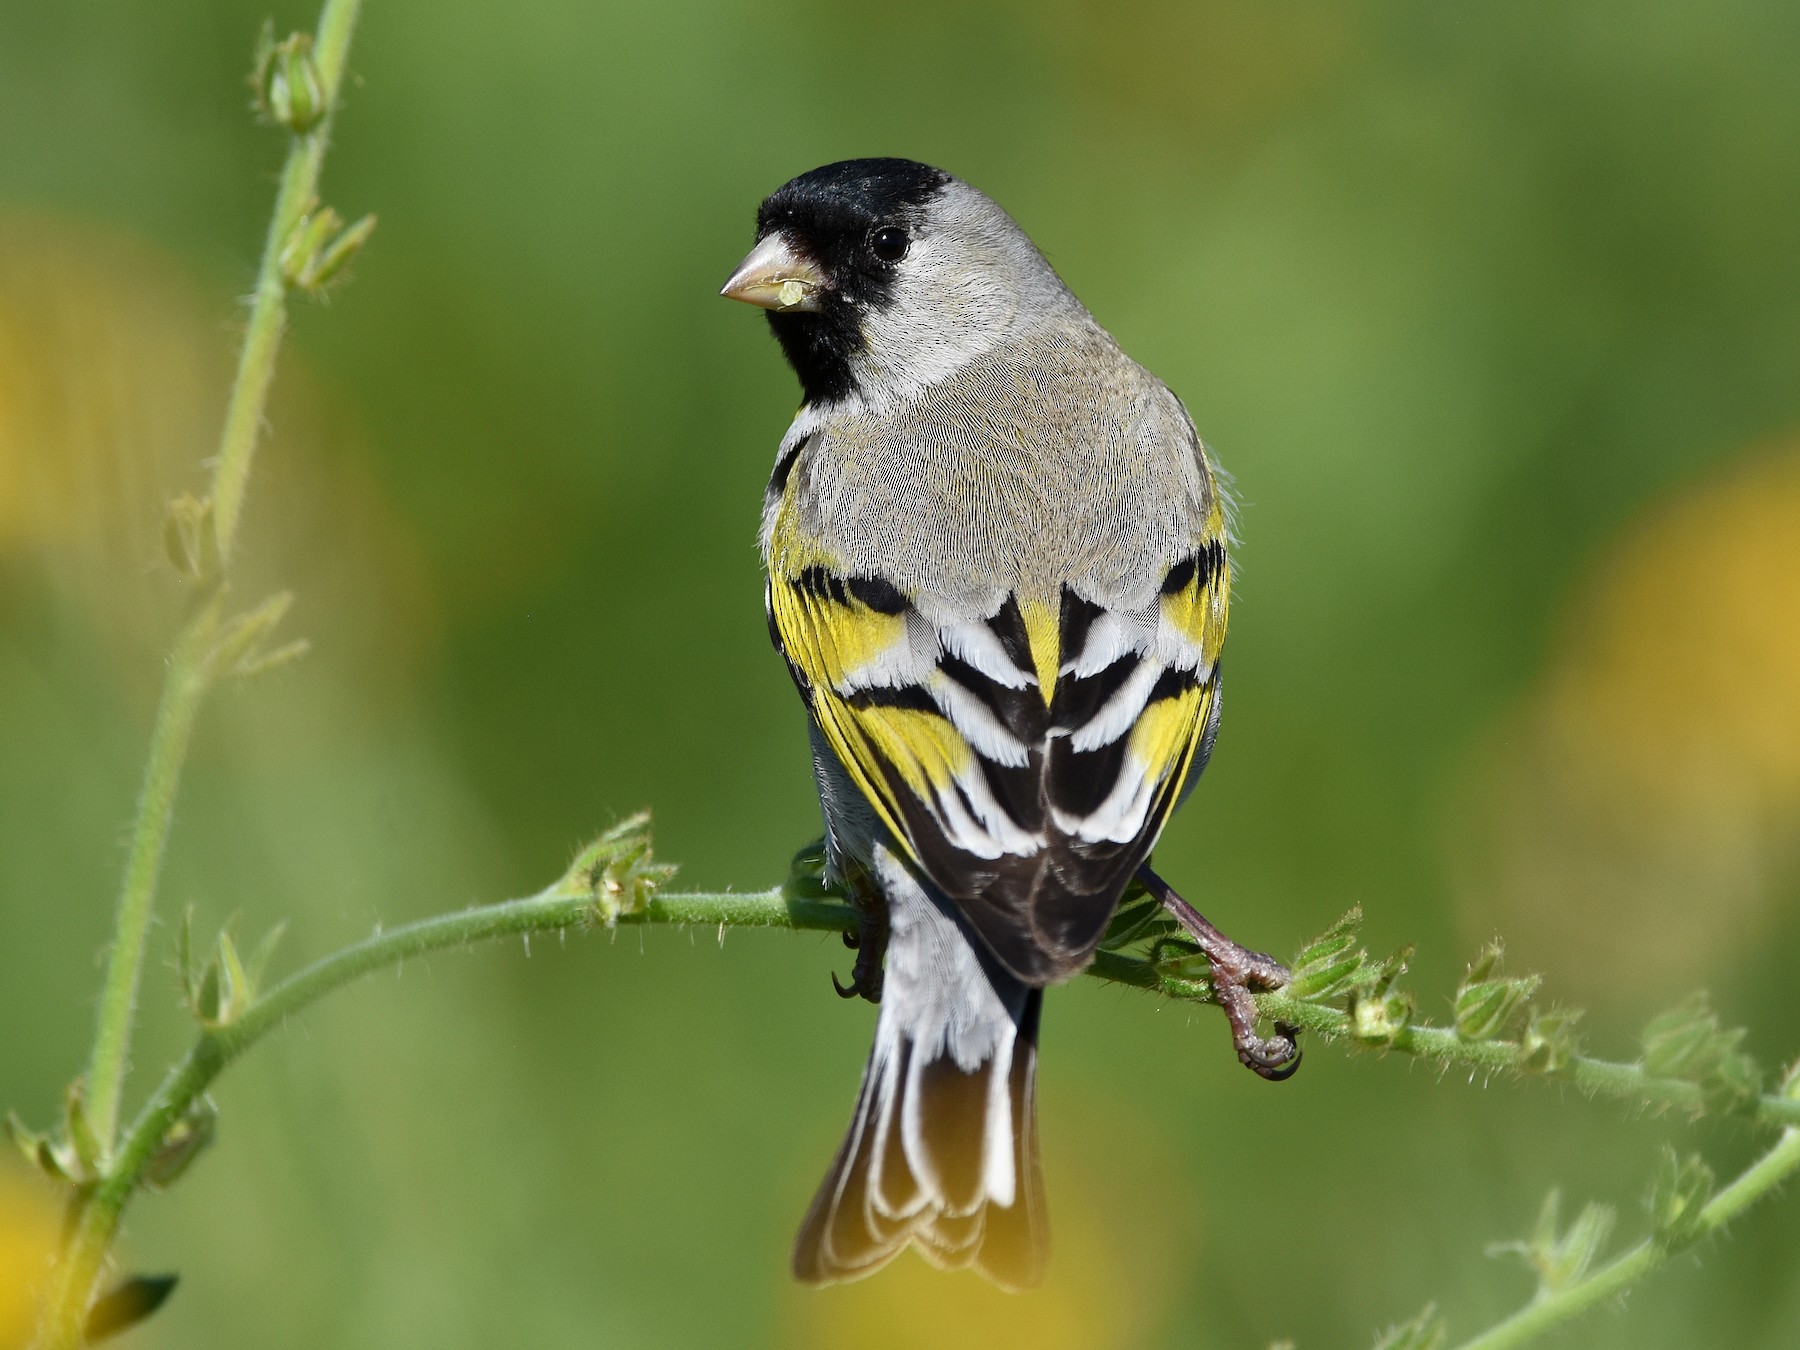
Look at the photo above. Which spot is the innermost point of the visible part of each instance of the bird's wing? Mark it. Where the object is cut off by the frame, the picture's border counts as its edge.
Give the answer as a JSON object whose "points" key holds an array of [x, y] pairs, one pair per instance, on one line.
{"points": [[1027, 758]]}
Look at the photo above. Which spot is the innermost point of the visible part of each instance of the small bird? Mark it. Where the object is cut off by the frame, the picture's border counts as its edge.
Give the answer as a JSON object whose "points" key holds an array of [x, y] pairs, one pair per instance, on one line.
{"points": [[997, 568]]}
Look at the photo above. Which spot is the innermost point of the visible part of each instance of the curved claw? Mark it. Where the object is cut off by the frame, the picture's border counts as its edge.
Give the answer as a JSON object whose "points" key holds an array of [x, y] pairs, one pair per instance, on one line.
{"points": [[1236, 973], [1275, 1059], [869, 941]]}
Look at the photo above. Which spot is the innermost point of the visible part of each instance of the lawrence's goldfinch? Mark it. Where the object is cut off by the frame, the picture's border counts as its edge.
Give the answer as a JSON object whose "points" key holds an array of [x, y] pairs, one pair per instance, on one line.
{"points": [[997, 569]]}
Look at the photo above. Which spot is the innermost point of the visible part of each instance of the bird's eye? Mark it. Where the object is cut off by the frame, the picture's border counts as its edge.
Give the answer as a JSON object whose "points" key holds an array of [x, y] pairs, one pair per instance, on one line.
{"points": [[889, 243]]}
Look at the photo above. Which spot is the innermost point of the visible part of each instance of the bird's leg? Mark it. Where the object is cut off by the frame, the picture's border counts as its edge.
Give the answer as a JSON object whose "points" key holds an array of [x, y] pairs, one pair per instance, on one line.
{"points": [[869, 941], [1237, 974]]}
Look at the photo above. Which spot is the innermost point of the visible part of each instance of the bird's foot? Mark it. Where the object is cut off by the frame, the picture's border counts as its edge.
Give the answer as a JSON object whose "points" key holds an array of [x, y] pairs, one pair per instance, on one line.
{"points": [[869, 942], [1238, 974]]}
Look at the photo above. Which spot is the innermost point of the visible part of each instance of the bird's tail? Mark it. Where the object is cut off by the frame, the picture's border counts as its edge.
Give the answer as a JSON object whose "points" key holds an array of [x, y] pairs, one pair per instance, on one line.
{"points": [[942, 1150]]}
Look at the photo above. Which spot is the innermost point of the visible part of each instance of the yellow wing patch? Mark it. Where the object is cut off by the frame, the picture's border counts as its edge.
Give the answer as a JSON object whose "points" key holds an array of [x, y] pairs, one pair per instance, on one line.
{"points": [[923, 748], [1196, 598], [828, 636], [1043, 633], [849, 637]]}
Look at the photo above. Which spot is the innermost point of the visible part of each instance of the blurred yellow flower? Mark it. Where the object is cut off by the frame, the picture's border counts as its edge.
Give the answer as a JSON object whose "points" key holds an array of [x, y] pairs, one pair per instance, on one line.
{"points": [[27, 1236], [113, 378], [1645, 801], [1680, 671], [109, 386]]}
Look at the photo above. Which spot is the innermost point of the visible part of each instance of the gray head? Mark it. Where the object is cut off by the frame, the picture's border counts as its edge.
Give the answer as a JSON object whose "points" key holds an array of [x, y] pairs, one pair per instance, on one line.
{"points": [[882, 276]]}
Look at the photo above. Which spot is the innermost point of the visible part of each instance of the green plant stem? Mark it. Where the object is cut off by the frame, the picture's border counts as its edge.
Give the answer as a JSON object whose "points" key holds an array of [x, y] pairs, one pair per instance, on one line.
{"points": [[185, 683], [555, 910], [1442, 1046], [1596, 1077], [184, 686], [268, 310], [562, 907], [1555, 1308], [570, 904], [101, 1206]]}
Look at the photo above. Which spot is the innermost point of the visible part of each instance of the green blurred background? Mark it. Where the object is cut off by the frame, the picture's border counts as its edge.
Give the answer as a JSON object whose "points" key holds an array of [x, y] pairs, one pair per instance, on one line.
{"points": [[1492, 309]]}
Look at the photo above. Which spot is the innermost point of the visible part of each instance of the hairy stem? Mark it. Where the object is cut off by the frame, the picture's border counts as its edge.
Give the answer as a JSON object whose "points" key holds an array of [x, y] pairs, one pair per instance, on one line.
{"points": [[559, 908], [582, 898], [554, 910], [1555, 1308], [1442, 1045], [268, 309], [1596, 1077], [185, 684], [566, 906]]}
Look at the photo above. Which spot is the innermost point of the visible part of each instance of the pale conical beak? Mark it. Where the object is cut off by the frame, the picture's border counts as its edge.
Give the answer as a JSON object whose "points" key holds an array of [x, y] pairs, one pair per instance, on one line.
{"points": [[776, 277]]}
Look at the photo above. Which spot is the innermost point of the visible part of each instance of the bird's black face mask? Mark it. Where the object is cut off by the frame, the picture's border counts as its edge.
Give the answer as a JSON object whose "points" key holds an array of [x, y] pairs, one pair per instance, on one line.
{"points": [[855, 221]]}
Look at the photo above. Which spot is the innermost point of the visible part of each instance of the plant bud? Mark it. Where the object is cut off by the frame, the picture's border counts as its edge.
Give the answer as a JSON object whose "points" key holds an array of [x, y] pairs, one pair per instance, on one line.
{"points": [[1688, 1042], [1331, 963], [192, 1133], [303, 243], [1322, 978], [288, 89], [242, 638], [337, 255], [320, 247], [79, 1129], [56, 1158], [126, 1304], [1567, 1257], [1484, 1009], [1486, 962], [1549, 1041], [1378, 1020], [223, 989], [189, 538], [618, 871], [1680, 1041], [1679, 1194], [1425, 1332]]}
